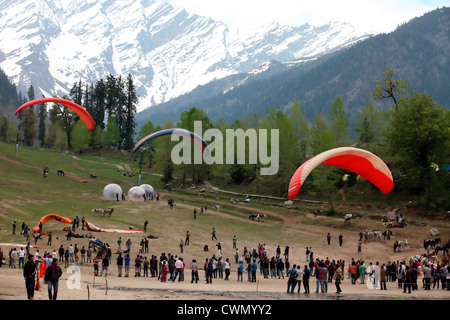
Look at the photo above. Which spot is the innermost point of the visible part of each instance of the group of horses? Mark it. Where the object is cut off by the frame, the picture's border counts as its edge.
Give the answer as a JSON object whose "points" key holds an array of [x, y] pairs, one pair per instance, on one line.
{"points": [[369, 235], [103, 212], [436, 245]]}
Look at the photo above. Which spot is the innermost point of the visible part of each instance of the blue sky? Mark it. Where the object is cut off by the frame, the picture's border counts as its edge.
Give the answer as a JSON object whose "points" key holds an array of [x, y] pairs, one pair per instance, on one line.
{"points": [[367, 15]]}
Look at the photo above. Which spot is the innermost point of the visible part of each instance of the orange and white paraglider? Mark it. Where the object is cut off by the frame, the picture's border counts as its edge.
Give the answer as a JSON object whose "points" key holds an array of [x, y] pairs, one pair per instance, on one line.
{"points": [[79, 110], [362, 162], [49, 217]]}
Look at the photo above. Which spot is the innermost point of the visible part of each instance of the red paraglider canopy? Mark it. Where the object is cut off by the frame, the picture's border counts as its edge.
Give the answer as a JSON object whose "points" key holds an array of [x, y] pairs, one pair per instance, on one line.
{"points": [[362, 162], [79, 110]]}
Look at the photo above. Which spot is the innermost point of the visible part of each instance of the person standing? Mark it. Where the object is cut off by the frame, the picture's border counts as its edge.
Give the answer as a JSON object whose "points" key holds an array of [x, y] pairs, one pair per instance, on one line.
{"points": [[306, 275], [292, 279], [209, 271], [254, 269], [21, 254], [194, 271], [362, 272], [119, 265], [146, 265], [213, 234], [383, 277], [299, 278], [14, 227], [188, 235], [234, 242], [127, 265], [181, 245], [340, 239], [119, 242], [195, 213], [226, 267], [29, 274], [329, 238], [145, 225], [95, 263], [337, 279], [52, 275], [427, 277], [178, 270], [240, 270], [407, 280]]}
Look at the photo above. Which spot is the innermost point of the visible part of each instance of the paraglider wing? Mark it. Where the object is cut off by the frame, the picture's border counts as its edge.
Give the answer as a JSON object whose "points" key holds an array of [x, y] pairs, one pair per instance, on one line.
{"points": [[181, 132], [362, 162], [79, 110], [51, 217]]}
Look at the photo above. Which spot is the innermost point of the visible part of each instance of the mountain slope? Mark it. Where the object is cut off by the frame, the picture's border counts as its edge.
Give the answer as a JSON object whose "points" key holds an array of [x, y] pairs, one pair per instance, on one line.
{"points": [[419, 50], [53, 44]]}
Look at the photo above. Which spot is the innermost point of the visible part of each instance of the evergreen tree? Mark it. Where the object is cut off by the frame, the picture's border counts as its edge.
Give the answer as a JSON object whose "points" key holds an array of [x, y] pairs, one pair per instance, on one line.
{"points": [[28, 122], [42, 114], [99, 103], [370, 124], [81, 137], [67, 119], [111, 137], [339, 123], [130, 106]]}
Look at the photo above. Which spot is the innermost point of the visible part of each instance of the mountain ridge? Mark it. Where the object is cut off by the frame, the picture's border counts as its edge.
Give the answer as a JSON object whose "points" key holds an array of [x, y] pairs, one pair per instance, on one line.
{"points": [[418, 49], [51, 45]]}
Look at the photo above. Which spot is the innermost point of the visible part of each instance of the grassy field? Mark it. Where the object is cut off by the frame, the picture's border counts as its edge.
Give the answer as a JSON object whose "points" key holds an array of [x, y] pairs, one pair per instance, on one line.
{"points": [[25, 196]]}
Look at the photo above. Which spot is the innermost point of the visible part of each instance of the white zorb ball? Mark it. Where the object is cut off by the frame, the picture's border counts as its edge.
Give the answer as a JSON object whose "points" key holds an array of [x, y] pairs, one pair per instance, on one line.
{"points": [[149, 191], [112, 192], [136, 194]]}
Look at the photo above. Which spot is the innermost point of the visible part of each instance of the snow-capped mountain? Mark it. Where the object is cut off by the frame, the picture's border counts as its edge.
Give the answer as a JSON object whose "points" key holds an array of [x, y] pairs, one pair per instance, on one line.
{"points": [[51, 44]]}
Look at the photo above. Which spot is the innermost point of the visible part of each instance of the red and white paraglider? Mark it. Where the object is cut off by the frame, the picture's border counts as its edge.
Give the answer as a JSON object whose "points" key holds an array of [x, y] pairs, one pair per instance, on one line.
{"points": [[362, 162], [79, 110]]}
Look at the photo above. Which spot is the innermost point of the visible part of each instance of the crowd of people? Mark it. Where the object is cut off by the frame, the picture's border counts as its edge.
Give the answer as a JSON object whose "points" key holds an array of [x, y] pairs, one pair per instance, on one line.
{"points": [[171, 267]]}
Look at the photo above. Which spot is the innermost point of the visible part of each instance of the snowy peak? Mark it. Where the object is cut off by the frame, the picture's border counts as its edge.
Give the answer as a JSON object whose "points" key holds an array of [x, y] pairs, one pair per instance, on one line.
{"points": [[52, 44]]}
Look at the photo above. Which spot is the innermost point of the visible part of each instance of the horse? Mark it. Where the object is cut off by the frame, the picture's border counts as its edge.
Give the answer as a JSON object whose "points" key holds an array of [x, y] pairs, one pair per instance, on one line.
{"points": [[431, 243], [94, 175], [99, 211], [369, 234], [60, 172], [256, 216], [217, 207], [109, 211], [444, 248], [402, 244], [348, 218]]}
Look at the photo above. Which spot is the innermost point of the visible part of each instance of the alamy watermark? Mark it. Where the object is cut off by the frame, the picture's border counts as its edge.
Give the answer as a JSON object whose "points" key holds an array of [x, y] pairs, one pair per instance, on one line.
{"points": [[235, 148]]}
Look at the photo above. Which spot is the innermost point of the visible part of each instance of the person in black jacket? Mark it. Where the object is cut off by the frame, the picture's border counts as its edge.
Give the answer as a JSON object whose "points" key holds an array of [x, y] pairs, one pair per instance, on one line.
{"points": [[306, 275], [29, 273], [52, 275]]}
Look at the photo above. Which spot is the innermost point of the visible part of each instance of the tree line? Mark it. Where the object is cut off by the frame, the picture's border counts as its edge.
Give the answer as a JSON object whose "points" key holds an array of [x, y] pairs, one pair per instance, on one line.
{"points": [[56, 126], [411, 137]]}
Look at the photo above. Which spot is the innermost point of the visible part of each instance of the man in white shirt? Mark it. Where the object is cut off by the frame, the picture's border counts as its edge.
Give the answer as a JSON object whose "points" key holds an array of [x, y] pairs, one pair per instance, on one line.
{"points": [[227, 269], [21, 254], [37, 257], [376, 275], [179, 270]]}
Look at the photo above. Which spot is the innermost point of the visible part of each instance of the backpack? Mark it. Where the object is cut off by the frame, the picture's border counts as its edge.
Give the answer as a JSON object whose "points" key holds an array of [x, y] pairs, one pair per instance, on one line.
{"points": [[320, 273]]}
